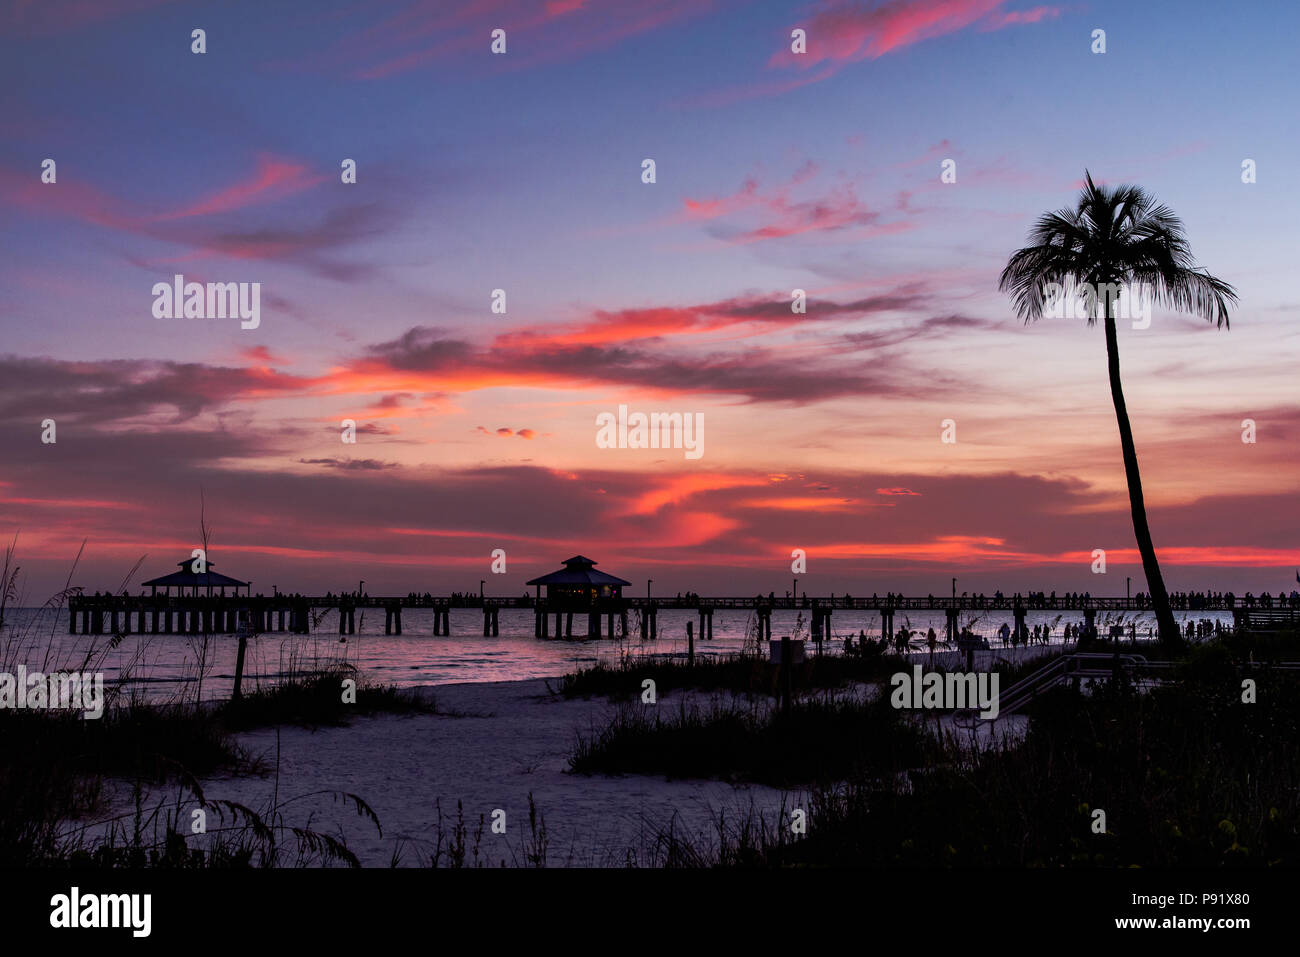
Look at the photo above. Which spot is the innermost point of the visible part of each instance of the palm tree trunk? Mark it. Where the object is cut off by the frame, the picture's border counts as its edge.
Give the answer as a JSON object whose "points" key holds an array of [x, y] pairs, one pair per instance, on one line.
{"points": [[1170, 636]]}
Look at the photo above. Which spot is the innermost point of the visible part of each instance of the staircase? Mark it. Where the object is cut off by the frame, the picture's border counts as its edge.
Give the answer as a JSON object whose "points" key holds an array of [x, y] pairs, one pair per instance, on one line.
{"points": [[1078, 665]]}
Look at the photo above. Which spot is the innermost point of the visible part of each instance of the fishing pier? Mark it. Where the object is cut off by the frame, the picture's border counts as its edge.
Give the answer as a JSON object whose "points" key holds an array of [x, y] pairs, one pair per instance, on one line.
{"points": [[201, 604]]}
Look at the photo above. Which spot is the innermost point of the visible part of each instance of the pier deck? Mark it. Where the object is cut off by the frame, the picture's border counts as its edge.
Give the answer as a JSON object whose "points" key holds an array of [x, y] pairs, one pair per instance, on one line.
{"points": [[295, 613]]}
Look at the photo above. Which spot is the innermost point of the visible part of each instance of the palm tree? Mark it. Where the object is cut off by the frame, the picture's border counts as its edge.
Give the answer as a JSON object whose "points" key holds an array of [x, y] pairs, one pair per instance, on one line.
{"points": [[1117, 236]]}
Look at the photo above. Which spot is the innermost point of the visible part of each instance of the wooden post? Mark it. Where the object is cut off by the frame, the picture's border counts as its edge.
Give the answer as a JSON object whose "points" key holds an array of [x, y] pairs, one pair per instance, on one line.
{"points": [[787, 680], [239, 663], [690, 643]]}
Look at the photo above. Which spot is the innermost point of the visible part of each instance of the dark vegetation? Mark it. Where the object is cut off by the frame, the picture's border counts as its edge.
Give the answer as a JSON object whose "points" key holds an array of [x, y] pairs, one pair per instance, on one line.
{"points": [[1187, 774], [827, 737], [61, 772]]}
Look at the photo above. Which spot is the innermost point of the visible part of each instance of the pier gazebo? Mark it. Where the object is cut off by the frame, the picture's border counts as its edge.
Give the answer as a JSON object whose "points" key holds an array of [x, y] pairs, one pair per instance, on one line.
{"points": [[578, 583], [578, 587], [187, 578]]}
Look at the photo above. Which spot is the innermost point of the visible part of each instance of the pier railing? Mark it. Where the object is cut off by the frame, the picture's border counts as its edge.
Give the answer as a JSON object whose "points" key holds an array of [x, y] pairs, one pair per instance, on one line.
{"points": [[294, 612], [855, 602]]}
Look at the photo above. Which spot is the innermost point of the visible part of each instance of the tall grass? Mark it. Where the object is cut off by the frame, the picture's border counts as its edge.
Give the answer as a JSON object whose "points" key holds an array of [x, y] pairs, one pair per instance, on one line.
{"points": [[744, 672], [60, 772], [827, 737], [1187, 774]]}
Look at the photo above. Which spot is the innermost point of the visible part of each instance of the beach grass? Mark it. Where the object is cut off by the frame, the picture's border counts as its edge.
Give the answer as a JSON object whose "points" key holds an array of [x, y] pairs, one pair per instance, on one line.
{"points": [[321, 698], [1184, 775], [824, 737]]}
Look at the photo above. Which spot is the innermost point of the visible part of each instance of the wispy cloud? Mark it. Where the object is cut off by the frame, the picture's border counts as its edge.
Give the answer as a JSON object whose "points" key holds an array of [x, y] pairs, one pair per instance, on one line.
{"points": [[46, 17], [792, 208], [204, 227], [424, 34], [842, 32]]}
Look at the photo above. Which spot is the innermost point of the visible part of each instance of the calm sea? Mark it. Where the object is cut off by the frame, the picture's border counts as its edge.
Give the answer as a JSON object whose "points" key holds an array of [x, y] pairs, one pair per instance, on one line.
{"points": [[164, 666]]}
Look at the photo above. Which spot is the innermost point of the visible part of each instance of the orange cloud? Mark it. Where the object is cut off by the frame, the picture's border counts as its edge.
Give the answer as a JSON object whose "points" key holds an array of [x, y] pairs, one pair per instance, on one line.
{"points": [[674, 490], [807, 503]]}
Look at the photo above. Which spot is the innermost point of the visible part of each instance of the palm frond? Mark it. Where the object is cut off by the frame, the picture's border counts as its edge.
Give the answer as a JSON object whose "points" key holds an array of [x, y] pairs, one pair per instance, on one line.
{"points": [[1114, 236]]}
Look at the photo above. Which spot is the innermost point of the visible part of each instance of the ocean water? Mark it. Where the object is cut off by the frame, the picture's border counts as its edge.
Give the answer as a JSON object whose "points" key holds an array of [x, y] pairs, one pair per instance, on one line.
{"points": [[163, 667]]}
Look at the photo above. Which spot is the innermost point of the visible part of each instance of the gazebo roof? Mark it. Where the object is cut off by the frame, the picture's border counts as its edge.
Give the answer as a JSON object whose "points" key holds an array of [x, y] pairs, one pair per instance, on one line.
{"points": [[187, 578], [578, 571]]}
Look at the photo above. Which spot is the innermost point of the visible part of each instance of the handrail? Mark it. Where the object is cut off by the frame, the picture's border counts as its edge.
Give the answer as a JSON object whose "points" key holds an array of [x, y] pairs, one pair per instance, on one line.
{"points": [[1078, 664]]}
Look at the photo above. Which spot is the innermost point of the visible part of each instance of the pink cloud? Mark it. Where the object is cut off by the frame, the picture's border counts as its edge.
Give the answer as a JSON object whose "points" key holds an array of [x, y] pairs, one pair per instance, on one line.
{"points": [[423, 34], [274, 179], [45, 17], [780, 213], [841, 32], [844, 31], [1013, 17]]}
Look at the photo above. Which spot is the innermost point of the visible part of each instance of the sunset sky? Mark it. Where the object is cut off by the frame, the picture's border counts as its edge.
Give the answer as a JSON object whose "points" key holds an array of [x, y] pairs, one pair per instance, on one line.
{"points": [[522, 172]]}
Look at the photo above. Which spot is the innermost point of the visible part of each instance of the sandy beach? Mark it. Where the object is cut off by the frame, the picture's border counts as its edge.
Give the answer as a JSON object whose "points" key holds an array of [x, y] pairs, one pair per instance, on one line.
{"points": [[493, 745]]}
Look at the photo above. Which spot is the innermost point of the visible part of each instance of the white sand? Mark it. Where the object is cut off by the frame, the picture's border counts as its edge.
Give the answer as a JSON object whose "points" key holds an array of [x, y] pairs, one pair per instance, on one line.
{"points": [[496, 743], [517, 741]]}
